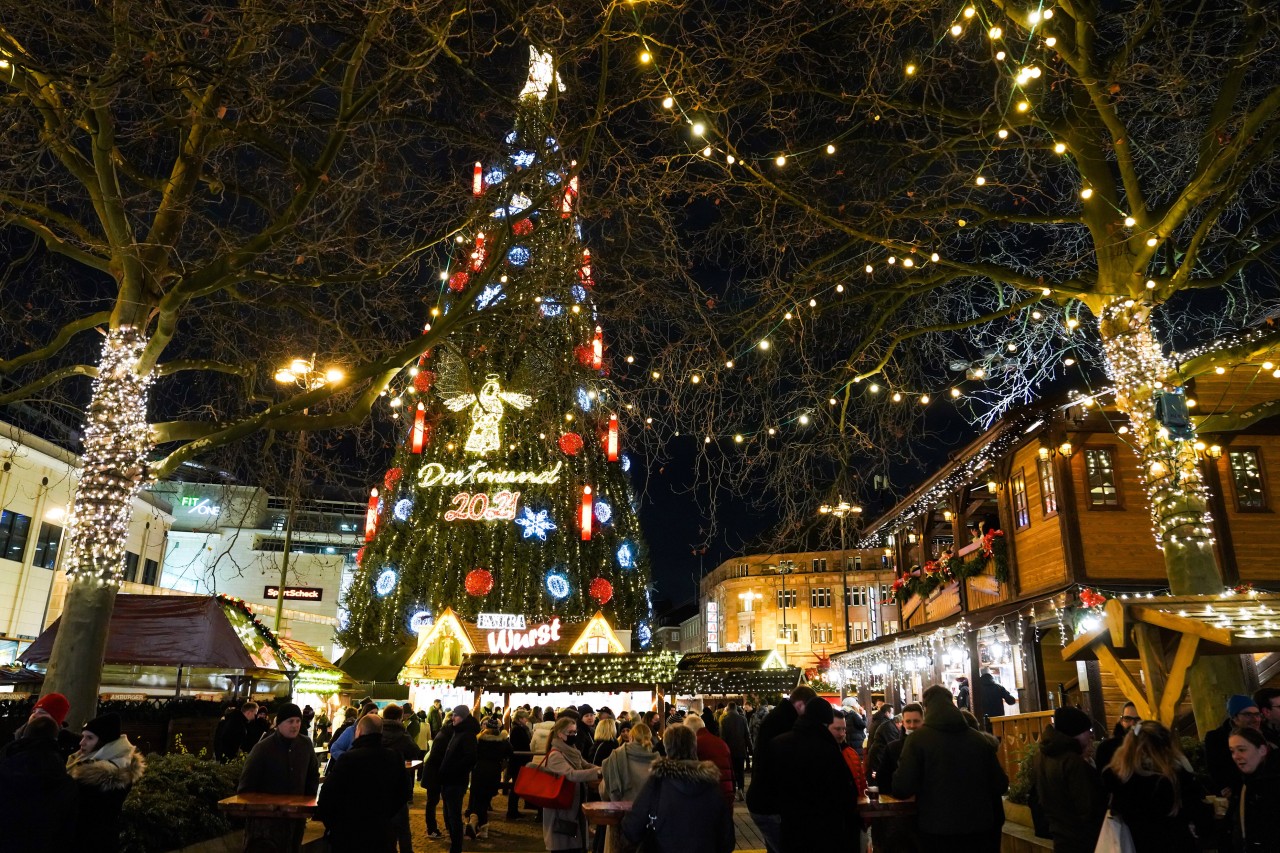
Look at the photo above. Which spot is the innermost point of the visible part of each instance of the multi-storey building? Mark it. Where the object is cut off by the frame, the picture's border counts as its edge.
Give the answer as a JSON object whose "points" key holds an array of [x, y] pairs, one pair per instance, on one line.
{"points": [[807, 605]]}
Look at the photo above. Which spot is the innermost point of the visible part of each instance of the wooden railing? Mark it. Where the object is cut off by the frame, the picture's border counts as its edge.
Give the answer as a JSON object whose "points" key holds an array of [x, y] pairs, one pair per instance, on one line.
{"points": [[1016, 731], [944, 602]]}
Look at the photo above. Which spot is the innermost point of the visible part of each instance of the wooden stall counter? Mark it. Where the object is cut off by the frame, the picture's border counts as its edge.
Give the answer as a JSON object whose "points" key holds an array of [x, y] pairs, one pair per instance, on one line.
{"points": [[606, 813]]}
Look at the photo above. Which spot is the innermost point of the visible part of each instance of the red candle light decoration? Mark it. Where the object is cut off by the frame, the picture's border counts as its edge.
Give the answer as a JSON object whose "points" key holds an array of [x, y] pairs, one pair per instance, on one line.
{"points": [[419, 428], [477, 180], [597, 349], [585, 516], [611, 448], [371, 516]]}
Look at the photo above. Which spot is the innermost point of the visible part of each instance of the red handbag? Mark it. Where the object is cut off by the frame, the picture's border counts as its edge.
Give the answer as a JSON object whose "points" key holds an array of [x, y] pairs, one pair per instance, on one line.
{"points": [[544, 789]]}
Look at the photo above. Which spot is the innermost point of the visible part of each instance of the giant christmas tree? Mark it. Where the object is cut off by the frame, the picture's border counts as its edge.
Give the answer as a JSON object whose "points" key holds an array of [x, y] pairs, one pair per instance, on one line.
{"points": [[509, 491]]}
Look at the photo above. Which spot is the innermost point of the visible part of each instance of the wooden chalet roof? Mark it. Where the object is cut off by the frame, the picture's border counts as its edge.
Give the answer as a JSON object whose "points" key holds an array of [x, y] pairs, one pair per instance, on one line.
{"points": [[728, 673], [566, 673]]}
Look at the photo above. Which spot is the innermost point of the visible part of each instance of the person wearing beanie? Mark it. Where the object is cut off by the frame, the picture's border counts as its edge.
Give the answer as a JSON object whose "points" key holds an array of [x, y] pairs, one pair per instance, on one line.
{"points": [[1069, 793], [455, 772], [104, 770], [957, 781], [493, 749], [1242, 713], [54, 706], [37, 797], [283, 762], [586, 742], [818, 795]]}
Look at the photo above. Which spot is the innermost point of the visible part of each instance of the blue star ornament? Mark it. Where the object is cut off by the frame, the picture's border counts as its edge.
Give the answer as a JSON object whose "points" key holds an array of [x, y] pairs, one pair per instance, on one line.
{"points": [[536, 523]]}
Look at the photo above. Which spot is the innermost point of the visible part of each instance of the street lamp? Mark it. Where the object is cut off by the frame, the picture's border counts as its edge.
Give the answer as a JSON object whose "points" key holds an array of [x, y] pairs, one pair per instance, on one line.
{"points": [[302, 373], [842, 510]]}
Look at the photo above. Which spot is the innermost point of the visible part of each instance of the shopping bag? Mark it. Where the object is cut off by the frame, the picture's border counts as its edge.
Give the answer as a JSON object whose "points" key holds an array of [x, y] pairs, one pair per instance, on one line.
{"points": [[1115, 836], [544, 789]]}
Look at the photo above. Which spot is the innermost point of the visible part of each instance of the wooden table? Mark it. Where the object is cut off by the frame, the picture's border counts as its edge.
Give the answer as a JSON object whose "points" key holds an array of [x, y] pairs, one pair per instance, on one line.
{"points": [[606, 813], [885, 807], [278, 817]]}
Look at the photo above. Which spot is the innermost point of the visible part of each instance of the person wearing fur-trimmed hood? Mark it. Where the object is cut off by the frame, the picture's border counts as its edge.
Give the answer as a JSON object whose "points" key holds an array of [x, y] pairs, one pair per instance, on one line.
{"points": [[680, 807], [104, 770]]}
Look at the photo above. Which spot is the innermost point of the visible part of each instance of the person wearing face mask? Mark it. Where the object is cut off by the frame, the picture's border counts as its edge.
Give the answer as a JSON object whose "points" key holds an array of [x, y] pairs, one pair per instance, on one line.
{"points": [[896, 833], [566, 829], [1253, 814], [283, 762]]}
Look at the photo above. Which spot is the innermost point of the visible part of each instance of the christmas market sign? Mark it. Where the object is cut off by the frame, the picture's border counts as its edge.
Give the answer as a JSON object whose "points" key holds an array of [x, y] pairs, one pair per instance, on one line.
{"points": [[509, 640]]}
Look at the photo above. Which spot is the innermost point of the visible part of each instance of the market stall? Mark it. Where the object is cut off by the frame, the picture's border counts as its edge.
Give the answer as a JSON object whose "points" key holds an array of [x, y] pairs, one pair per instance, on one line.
{"points": [[734, 674]]}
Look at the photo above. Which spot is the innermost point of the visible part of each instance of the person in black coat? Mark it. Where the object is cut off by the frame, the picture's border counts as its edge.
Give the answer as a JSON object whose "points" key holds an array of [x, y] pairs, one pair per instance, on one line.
{"points": [[709, 721], [856, 725], [521, 737], [819, 797], [962, 693], [283, 762], [430, 771], [683, 793], [764, 797], [1152, 787], [233, 731], [1103, 753], [953, 773], [493, 748], [1069, 788], [396, 737], [37, 797], [104, 769], [455, 771], [993, 697], [1258, 829], [363, 793], [259, 726], [737, 734]]}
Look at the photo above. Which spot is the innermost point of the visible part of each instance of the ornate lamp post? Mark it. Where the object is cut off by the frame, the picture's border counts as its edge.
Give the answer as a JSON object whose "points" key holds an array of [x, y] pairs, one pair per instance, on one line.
{"points": [[842, 510]]}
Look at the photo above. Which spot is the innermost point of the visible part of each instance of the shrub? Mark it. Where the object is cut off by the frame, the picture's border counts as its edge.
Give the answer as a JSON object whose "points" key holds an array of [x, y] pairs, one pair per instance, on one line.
{"points": [[175, 804], [1020, 785]]}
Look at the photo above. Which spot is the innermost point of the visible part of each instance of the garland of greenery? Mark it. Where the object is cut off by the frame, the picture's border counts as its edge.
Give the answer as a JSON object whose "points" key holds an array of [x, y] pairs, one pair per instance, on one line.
{"points": [[924, 581]]}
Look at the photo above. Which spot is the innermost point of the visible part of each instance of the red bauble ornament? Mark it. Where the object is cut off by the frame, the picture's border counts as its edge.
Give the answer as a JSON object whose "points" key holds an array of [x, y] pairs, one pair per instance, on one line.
{"points": [[571, 443], [584, 354], [424, 380], [360, 555], [479, 582], [458, 281], [601, 590], [523, 227], [392, 477]]}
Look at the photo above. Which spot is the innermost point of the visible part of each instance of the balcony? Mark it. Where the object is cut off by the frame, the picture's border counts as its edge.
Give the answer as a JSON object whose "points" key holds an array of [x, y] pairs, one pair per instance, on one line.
{"points": [[983, 589], [941, 603]]}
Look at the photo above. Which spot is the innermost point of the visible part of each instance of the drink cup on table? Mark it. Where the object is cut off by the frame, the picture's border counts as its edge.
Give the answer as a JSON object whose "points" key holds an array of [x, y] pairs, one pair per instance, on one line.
{"points": [[873, 793]]}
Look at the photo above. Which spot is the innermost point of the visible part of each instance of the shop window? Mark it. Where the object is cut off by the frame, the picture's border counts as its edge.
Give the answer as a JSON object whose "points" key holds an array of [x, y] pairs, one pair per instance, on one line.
{"points": [[856, 596], [1048, 488], [788, 632], [150, 572], [14, 527], [822, 633], [859, 631], [1100, 469], [131, 561], [787, 598], [46, 556], [819, 564], [820, 596], [1246, 480], [1021, 510]]}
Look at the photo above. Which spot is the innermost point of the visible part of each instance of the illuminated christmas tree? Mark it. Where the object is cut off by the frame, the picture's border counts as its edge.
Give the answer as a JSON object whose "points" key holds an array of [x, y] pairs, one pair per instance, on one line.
{"points": [[509, 492]]}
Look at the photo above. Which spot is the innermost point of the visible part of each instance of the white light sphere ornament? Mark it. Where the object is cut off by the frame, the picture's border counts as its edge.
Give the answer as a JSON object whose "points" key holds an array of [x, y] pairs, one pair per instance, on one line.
{"points": [[557, 586], [386, 582]]}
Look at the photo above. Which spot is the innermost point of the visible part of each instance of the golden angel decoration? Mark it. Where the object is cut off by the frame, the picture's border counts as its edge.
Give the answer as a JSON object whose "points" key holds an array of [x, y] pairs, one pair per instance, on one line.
{"points": [[487, 408]]}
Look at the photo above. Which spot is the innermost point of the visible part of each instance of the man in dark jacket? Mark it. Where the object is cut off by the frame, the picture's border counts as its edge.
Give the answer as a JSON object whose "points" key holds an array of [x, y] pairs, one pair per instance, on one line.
{"points": [[37, 797], [431, 774], [521, 741], [1242, 713], [1107, 749], [819, 799], [878, 717], [55, 706], [363, 793], [455, 771], [396, 738], [1068, 788], [435, 718], [709, 720], [734, 731], [233, 730], [283, 762], [886, 733], [897, 833], [993, 697], [764, 797], [953, 773], [258, 727]]}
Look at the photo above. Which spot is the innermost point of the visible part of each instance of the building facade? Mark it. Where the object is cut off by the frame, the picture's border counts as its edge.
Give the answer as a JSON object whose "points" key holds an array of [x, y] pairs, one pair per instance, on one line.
{"points": [[806, 605], [37, 483]]}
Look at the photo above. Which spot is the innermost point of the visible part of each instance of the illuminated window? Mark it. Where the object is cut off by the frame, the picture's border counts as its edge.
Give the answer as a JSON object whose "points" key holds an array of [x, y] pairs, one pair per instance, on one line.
{"points": [[822, 633], [1100, 468], [597, 645], [787, 598], [1048, 488], [1246, 478], [14, 527], [820, 596], [1021, 511], [788, 632]]}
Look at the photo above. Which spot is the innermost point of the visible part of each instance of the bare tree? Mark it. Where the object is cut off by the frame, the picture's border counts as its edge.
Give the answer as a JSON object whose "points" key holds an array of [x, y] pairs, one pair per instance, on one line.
{"points": [[919, 197], [192, 193]]}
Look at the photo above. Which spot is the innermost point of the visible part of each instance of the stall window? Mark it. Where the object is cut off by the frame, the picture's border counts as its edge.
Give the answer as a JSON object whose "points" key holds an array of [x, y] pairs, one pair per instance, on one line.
{"points": [[1246, 478], [47, 546], [787, 598], [820, 596], [823, 633], [14, 527], [1100, 468], [1021, 510], [1048, 488]]}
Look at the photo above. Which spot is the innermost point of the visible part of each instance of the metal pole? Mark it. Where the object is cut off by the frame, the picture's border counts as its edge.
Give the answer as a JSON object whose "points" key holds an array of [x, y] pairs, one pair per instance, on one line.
{"points": [[295, 485]]}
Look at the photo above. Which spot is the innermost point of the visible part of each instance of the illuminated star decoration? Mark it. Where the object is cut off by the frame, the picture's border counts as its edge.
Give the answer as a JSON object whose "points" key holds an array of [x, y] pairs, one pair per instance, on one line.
{"points": [[386, 582], [491, 295], [536, 524], [557, 585]]}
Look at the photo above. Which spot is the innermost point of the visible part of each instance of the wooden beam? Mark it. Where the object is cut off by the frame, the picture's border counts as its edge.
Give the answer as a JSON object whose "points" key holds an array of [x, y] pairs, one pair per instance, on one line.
{"points": [[1151, 656], [1182, 660], [1086, 642], [1116, 619], [1129, 685], [1182, 625]]}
